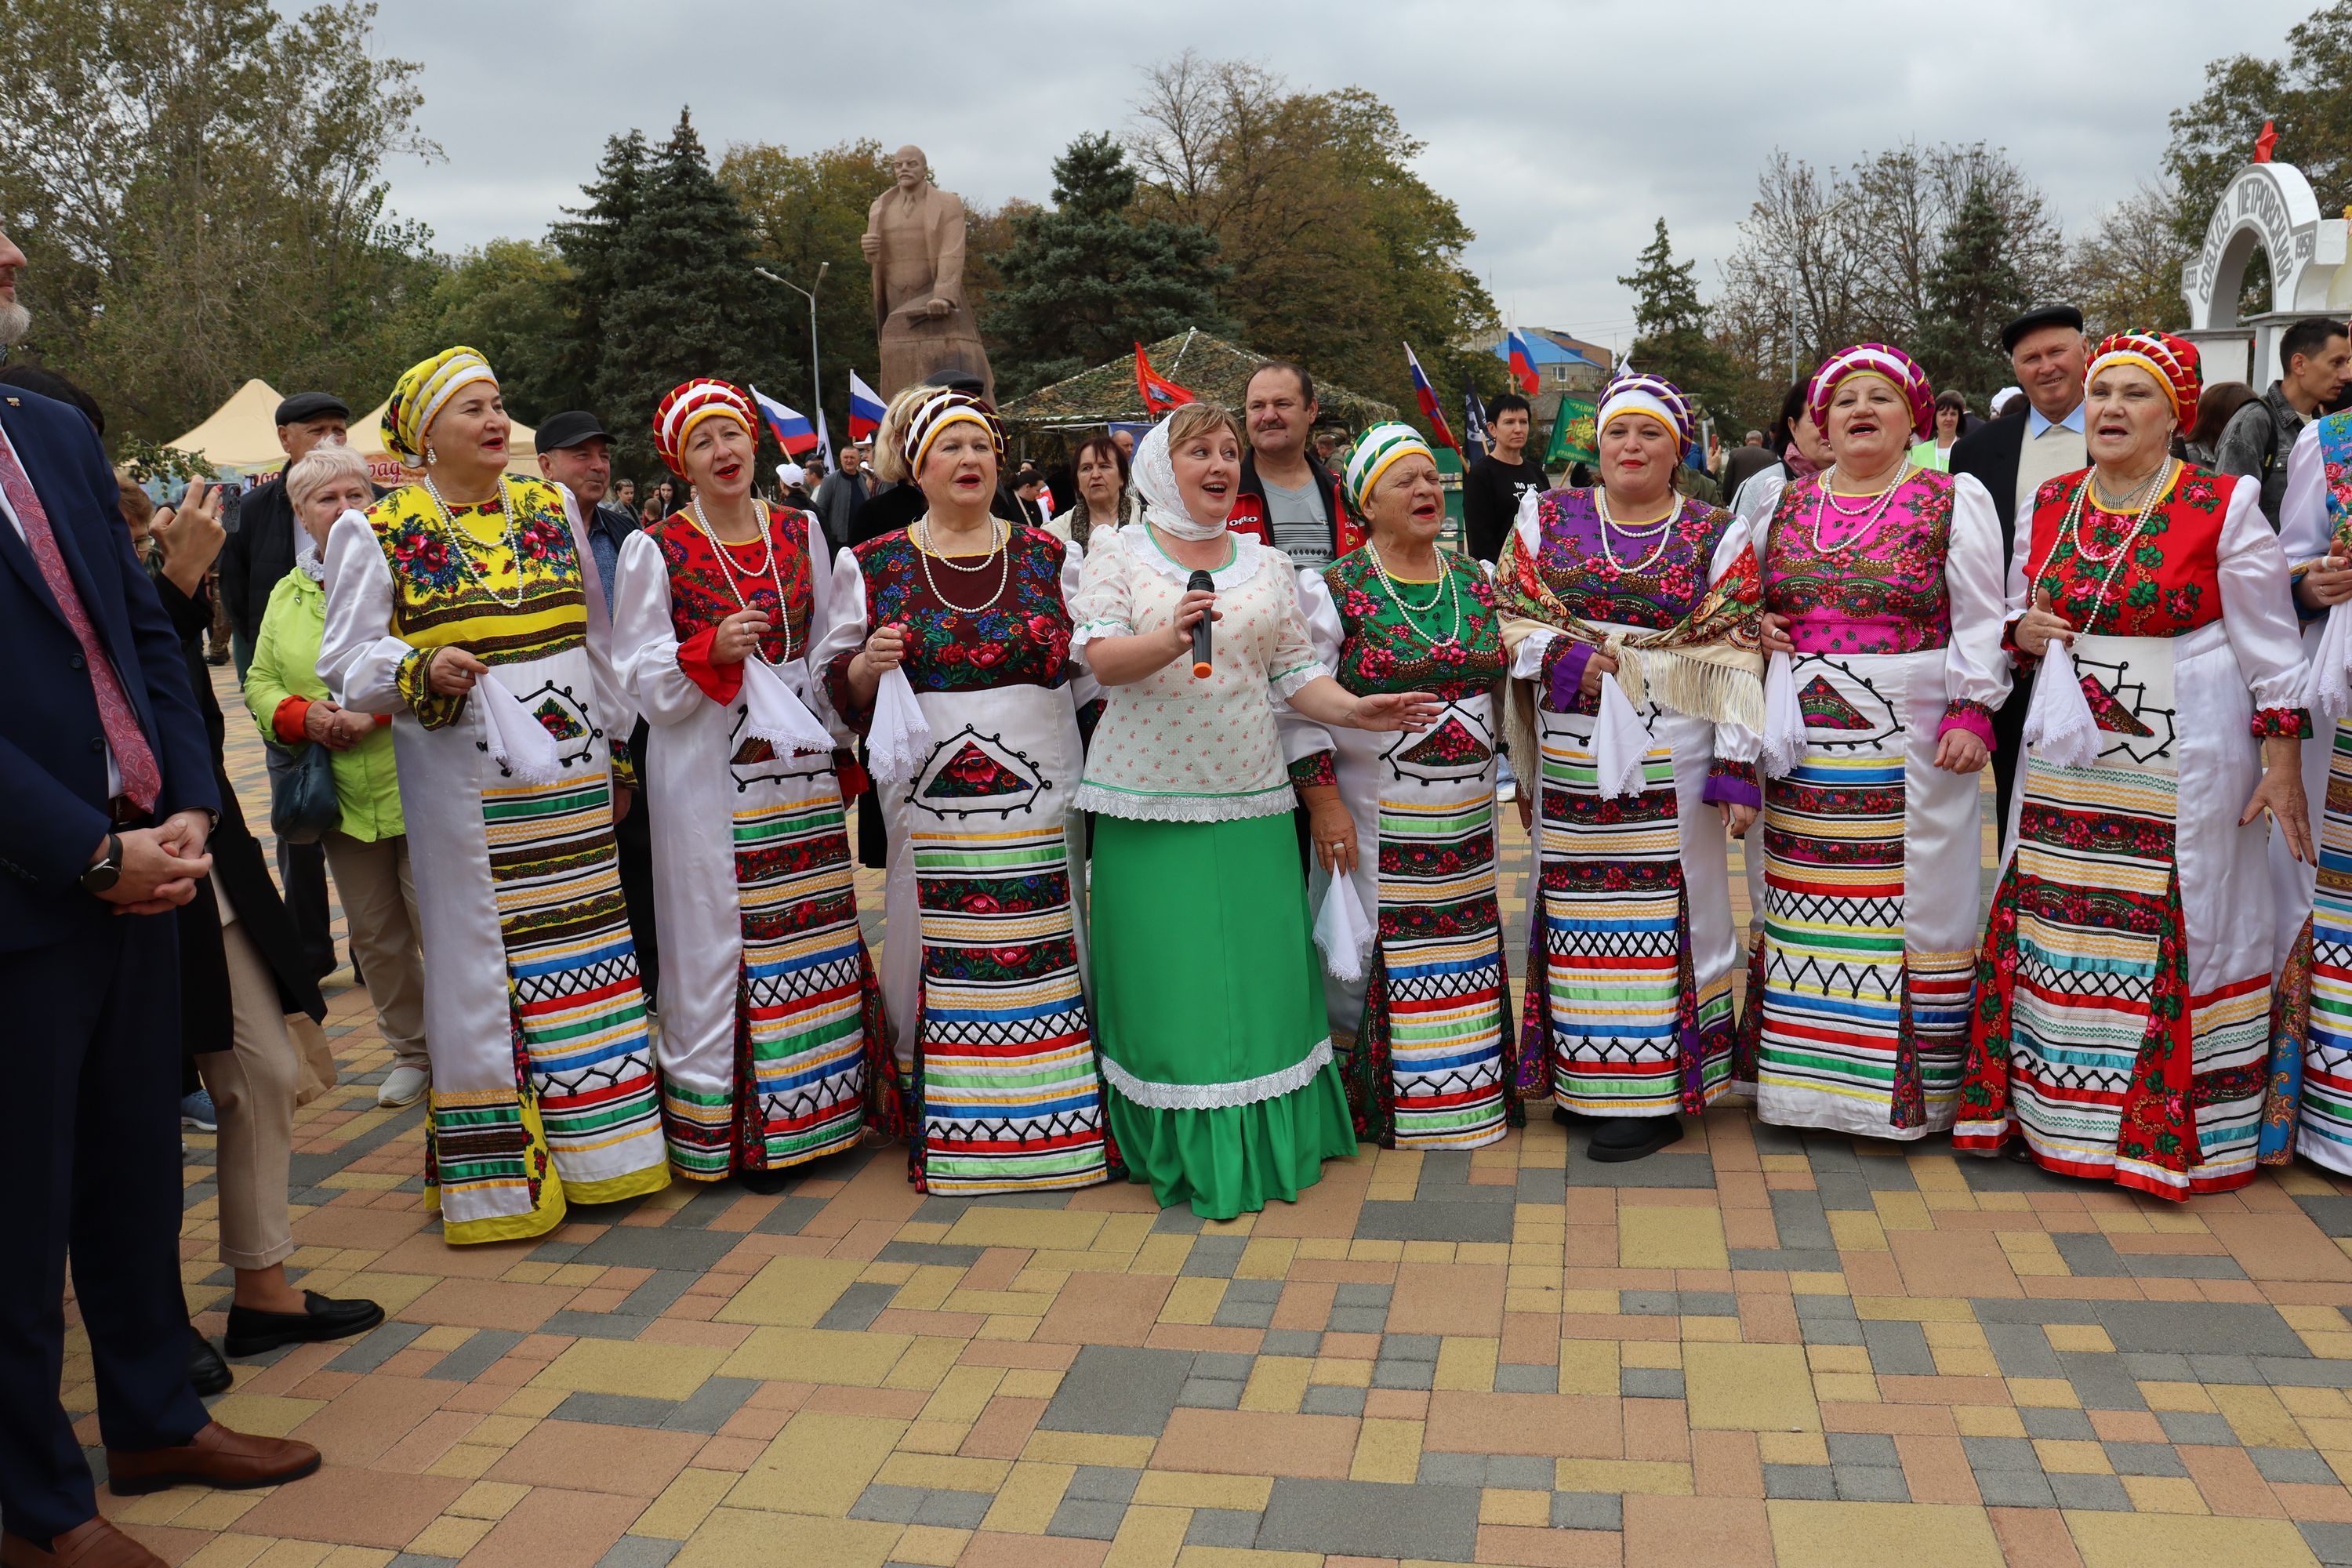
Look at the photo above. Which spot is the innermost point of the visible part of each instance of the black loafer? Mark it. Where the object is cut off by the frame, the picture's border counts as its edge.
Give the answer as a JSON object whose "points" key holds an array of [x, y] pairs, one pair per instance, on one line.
{"points": [[206, 1371], [1567, 1118], [1621, 1138], [252, 1332]]}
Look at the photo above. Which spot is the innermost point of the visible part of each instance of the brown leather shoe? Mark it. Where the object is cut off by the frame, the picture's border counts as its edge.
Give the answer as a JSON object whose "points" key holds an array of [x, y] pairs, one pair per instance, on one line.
{"points": [[216, 1456], [94, 1544]]}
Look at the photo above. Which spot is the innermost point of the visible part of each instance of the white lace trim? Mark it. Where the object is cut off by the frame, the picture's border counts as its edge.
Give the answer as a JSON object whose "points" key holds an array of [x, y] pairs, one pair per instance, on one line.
{"points": [[1292, 682], [1218, 1095], [1107, 800], [1249, 555]]}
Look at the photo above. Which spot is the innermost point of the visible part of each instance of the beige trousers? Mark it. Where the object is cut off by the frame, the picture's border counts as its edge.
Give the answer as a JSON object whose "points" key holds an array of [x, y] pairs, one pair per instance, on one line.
{"points": [[379, 900], [255, 1086]]}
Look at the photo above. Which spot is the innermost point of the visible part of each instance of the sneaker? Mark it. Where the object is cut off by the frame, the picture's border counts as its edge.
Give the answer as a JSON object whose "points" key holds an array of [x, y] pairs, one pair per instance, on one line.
{"points": [[196, 1110], [403, 1085]]}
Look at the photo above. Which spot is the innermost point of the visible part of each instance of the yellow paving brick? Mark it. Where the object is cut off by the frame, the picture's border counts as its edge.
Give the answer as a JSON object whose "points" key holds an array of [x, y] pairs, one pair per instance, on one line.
{"points": [[1601, 1302], [1161, 1255], [1541, 1303], [1328, 1248], [1838, 1358], [1266, 1257], [2322, 1403], [1013, 1303], [1755, 1388], [501, 1431], [294, 1554], [1807, 1282], [1276, 1383], [1988, 1421], [933, 1545], [487, 1499], [1362, 1251], [449, 1537], [1853, 1231], [1966, 1363], [1036, 1280], [1037, 1229], [1954, 1336], [1387, 1451], [2330, 1346], [1792, 1448], [1240, 1225], [684, 1504], [737, 1538], [1242, 1557], [217, 1511], [1030, 1383], [962, 1394], [1885, 1535], [2080, 1337], [2165, 1494], [1903, 1210], [2258, 1418], [442, 1337], [531, 1403], [1667, 1354], [927, 1361], [1149, 1538], [818, 1464], [464, 1461], [928, 1287], [1466, 1365], [1192, 1300], [2043, 1393], [1430, 1252], [1588, 1366], [634, 1367], [1846, 1387], [582, 1274], [1089, 1449], [265, 1414], [943, 1472], [1334, 1373], [2175, 1396], [229, 1551], [923, 1231], [1687, 1237], [1718, 1331], [1024, 1504], [1481, 1252], [1184, 1489], [1652, 1478], [2063, 1456], [2136, 1540], [935, 1436], [1500, 1506], [810, 1355]]}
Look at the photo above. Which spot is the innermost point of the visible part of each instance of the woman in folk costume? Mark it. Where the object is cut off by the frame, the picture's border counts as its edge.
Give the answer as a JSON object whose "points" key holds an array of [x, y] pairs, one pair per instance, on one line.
{"points": [[1630, 615], [1214, 1036], [1883, 616], [465, 606], [772, 1042], [2308, 1107], [1419, 1006], [2123, 1002], [949, 649]]}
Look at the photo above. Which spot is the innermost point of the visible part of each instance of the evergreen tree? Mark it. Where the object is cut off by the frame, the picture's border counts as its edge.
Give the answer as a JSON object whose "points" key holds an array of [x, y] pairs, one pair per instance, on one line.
{"points": [[587, 244], [1083, 281], [1974, 285], [1671, 330], [679, 301]]}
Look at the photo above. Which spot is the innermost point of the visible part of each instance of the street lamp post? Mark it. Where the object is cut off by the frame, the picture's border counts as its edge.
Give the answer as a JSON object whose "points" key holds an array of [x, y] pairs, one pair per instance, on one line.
{"points": [[816, 385]]}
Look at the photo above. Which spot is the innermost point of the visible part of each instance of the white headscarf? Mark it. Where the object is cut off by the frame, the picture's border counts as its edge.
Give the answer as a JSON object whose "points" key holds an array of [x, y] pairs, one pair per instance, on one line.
{"points": [[1154, 475]]}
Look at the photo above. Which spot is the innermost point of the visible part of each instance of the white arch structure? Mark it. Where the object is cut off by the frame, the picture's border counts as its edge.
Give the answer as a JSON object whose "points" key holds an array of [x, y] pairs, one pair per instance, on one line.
{"points": [[2269, 205]]}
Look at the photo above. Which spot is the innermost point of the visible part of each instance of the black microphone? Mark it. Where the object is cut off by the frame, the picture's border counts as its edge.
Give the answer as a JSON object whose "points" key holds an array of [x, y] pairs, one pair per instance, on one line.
{"points": [[1201, 582]]}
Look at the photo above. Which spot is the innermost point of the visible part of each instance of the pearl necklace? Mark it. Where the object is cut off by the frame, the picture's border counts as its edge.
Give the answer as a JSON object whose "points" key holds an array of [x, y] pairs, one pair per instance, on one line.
{"points": [[925, 549], [2112, 560], [725, 553], [1874, 513], [1662, 529], [1448, 589], [457, 541]]}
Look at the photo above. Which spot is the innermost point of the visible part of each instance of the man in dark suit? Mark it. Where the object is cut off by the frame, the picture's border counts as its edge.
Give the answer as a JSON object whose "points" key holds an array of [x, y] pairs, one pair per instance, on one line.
{"points": [[2038, 439], [108, 778]]}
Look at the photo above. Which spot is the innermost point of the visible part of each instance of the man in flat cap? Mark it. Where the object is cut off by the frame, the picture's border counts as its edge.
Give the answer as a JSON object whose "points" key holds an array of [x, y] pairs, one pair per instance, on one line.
{"points": [[252, 561], [2039, 439], [575, 451]]}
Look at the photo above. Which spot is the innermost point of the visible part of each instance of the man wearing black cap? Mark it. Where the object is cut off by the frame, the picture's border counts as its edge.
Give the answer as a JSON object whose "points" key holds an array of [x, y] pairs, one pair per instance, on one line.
{"points": [[2038, 439], [576, 452], [253, 560]]}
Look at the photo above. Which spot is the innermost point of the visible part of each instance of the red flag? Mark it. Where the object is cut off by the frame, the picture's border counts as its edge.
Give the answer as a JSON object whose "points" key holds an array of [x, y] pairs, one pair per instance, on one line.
{"points": [[2265, 142], [1426, 396], [1160, 396]]}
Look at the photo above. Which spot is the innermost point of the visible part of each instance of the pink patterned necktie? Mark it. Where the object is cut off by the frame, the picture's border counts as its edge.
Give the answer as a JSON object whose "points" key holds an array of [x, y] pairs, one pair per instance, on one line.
{"points": [[132, 756]]}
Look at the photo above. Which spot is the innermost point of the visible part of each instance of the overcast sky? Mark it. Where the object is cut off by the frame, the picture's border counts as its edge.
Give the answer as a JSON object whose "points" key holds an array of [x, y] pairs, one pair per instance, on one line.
{"points": [[1561, 130]]}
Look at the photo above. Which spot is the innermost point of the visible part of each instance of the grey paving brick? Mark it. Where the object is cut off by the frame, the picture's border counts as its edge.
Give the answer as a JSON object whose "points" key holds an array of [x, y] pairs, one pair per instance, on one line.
{"points": [[659, 1246], [930, 1252], [1254, 1290], [1517, 1377], [1103, 1483], [1214, 1258], [2333, 1215], [1435, 1222], [2101, 1380], [1649, 1382], [2145, 1460], [1888, 1173], [1785, 1259], [1521, 1472], [1708, 1303], [1222, 1527], [1291, 1341], [1666, 1170], [637, 1552], [952, 1509], [2203, 1428], [476, 1356], [1119, 1390], [2021, 1350], [1541, 1185], [856, 1307], [1451, 1470], [653, 1298], [1862, 1448], [1323, 1399], [2331, 1543], [707, 1409], [2194, 1328], [1444, 1167], [1087, 1520], [1825, 1307], [1587, 1511], [1226, 1365], [889, 1505], [1364, 1294], [426, 1559], [2068, 1423], [1409, 1347], [1870, 1483], [1210, 1393], [1404, 1374], [1810, 1483], [1831, 1151], [2102, 1492], [616, 1410], [787, 1217], [2090, 1255], [1647, 1303], [1358, 1320], [596, 1325], [2015, 1489], [1898, 1348], [2293, 1465], [1366, 1519], [1830, 1331], [2149, 1366], [1240, 1312], [1178, 1222], [1999, 1454], [375, 1347], [1800, 1220], [2215, 1366], [1843, 1191], [2305, 1374]]}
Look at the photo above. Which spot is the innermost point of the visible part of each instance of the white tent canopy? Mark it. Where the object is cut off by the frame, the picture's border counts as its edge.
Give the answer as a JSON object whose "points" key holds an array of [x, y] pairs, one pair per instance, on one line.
{"points": [[242, 432]]}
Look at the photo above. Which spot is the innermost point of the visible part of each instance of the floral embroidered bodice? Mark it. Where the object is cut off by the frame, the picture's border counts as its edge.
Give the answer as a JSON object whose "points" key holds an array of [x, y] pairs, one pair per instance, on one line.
{"points": [[1848, 585], [1645, 585], [2167, 583], [1388, 647], [457, 581], [1022, 639], [701, 595]]}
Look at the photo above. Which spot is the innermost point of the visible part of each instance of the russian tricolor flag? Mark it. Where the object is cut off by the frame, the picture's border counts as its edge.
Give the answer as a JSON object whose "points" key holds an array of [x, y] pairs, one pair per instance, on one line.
{"points": [[1427, 396], [865, 409], [794, 434], [1522, 355]]}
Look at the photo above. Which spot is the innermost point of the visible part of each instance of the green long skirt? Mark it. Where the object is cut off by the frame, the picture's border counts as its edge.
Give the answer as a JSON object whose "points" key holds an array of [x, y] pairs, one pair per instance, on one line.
{"points": [[1208, 1003]]}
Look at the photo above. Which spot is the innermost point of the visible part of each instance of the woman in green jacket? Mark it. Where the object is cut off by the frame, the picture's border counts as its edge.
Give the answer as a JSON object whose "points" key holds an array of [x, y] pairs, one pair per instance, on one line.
{"points": [[368, 851]]}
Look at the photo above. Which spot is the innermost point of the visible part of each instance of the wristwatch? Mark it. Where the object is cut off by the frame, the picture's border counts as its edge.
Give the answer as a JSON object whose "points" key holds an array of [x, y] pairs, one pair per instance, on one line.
{"points": [[107, 870]]}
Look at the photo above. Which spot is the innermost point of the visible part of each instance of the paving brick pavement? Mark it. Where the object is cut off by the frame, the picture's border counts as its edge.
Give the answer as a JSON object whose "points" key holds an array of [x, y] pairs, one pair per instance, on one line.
{"points": [[1758, 1347]]}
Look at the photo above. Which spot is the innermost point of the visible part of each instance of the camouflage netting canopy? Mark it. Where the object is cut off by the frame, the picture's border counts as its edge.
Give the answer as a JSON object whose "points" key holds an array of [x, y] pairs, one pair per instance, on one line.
{"points": [[1211, 367]]}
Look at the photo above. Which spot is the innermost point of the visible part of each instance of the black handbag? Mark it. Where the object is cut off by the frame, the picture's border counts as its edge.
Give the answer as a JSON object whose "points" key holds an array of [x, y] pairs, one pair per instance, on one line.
{"points": [[303, 805]]}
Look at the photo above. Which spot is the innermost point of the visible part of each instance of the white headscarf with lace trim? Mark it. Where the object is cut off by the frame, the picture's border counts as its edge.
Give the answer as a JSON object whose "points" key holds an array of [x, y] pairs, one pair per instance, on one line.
{"points": [[1154, 472]]}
